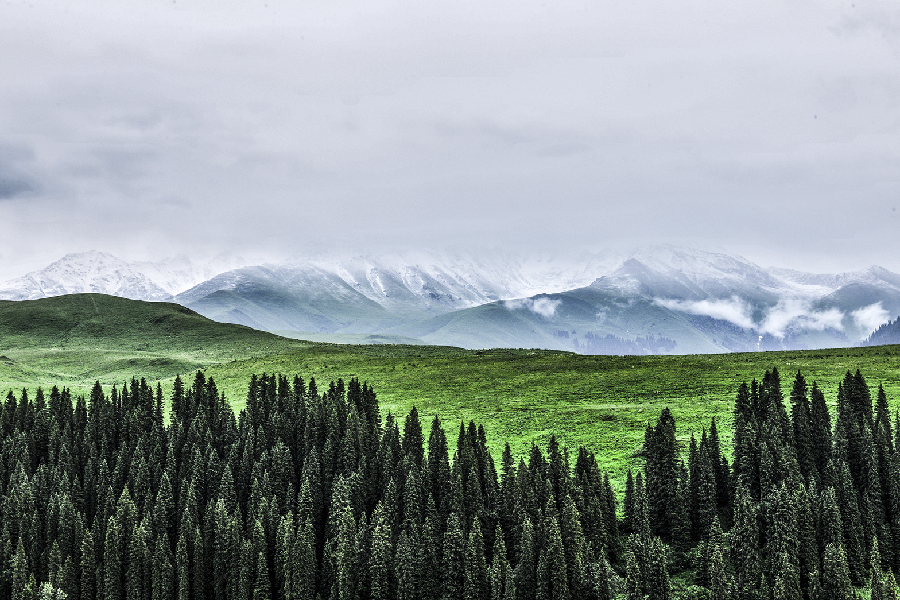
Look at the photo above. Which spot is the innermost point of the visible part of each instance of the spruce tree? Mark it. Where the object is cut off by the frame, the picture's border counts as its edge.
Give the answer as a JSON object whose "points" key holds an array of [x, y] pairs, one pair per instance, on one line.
{"points": [[88, 568], [303, 558], [745, 542], [820, 430], [634, 578], [406, 568], [381, 557], [499, 570], [661, 470], [525, 575], [835, 574], [413, 440], [475, 585], [454, 560]]}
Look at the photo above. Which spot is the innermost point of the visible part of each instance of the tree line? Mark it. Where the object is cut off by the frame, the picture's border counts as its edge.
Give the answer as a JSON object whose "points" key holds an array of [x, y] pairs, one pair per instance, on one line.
{"points": [[309, 494], [886, 333]]}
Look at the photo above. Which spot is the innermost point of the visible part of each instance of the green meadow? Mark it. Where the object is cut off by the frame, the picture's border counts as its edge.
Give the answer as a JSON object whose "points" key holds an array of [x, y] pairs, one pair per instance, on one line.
{"points": [[520, 396]]}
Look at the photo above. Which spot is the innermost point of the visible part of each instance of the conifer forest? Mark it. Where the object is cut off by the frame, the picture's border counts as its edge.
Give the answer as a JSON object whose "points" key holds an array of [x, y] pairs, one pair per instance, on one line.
{"points": [[313, 494]]}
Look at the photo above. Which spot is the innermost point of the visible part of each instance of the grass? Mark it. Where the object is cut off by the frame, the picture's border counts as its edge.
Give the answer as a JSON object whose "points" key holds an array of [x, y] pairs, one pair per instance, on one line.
{"points": [[520, 396]]}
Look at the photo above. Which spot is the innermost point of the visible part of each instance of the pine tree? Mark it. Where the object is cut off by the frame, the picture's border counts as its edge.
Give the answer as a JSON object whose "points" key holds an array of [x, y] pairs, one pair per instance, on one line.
{"points": [[835, 574], [454, 560], [303, 557], [381, 558], [525, 575], [661, 470], [475, 585]]}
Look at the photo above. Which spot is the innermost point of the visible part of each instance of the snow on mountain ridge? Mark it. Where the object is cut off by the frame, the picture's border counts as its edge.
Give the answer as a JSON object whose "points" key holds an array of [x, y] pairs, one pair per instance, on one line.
{"points": [[423, 284], [100, 272], [86, 272]]}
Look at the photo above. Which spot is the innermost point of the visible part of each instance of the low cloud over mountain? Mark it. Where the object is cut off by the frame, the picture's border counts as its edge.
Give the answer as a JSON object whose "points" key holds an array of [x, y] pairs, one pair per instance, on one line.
{"points": [[663, 299]]}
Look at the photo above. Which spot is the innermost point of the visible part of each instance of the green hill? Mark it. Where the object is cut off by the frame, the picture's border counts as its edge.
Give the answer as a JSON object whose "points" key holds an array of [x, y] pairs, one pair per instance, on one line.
{"points": [[602, 402], [75, 339]]}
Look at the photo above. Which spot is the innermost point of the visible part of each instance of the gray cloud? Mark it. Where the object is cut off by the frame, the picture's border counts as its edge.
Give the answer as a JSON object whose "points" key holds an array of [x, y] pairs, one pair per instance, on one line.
{"points": [[733, 310], [10, 187], [769, 129], [789, 313], [15, 158], [545, 307]]}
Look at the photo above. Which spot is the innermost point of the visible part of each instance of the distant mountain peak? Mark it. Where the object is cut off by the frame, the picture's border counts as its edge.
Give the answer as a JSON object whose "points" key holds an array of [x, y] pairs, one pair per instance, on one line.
{"points": [[85, 272], [703, 300]]}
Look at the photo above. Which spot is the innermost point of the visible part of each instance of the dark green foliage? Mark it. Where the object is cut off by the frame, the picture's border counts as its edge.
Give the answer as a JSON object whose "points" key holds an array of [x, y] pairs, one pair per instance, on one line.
{"points": [[476, 573], [745, 546], [835, 574], [801, 418], [308, 496], [454, 560], [661, 453]]}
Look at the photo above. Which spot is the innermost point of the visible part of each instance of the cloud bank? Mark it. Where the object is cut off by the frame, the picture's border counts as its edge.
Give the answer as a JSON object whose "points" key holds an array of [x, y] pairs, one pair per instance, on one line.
{"points": [[197, 124], [788, 314], [734, 310], [545, 307], [871, 317]]}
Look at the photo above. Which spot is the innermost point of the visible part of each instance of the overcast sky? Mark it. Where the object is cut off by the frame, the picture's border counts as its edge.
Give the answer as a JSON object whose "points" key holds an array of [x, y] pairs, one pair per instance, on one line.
{"points": [[148, 128]]}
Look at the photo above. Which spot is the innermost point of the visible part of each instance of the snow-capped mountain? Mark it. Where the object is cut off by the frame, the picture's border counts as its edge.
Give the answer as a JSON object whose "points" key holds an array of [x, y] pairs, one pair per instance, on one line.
{"points": [[679, 300], [663, 298], [329, 292], [86, 272], [100, 272]]}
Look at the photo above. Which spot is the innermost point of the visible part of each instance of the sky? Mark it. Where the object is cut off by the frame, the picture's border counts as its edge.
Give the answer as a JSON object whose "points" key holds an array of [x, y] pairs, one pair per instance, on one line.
{"points": [[276, 127]]}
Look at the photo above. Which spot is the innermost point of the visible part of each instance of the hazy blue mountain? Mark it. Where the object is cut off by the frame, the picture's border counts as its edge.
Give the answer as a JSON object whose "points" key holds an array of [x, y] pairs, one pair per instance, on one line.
{"points": [[705, 302], [659, 299], [280, 298], [366, 295], [889, 333]]}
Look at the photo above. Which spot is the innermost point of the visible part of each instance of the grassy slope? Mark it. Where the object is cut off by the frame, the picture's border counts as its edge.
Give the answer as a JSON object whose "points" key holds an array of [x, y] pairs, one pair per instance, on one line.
{"points": [[602, 402], [75, 340]]}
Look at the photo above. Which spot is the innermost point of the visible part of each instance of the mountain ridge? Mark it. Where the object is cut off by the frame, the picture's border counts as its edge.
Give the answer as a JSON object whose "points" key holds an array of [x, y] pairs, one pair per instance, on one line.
{"points": [[663, 298]]}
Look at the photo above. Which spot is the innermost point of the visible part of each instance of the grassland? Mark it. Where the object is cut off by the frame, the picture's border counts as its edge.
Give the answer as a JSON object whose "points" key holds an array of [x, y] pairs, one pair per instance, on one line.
{"points": [[520, 396]]}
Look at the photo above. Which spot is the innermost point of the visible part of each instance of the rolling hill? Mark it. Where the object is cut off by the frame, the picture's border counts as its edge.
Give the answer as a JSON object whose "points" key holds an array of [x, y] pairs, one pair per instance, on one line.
{"points": [[601, 402]]}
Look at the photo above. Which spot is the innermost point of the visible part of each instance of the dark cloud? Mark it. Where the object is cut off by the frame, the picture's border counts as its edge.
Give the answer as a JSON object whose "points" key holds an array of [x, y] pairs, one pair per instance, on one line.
{"points": [[11, 187], [14, 159]]}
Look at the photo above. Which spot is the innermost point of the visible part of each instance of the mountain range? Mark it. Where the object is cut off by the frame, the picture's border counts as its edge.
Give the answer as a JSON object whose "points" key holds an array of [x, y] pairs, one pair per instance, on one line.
{"points": [[664, 299]]}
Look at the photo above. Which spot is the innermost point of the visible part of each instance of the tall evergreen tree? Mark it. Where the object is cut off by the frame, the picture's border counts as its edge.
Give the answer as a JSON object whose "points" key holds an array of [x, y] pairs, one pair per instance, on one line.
{"points": [[661, 470]]}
